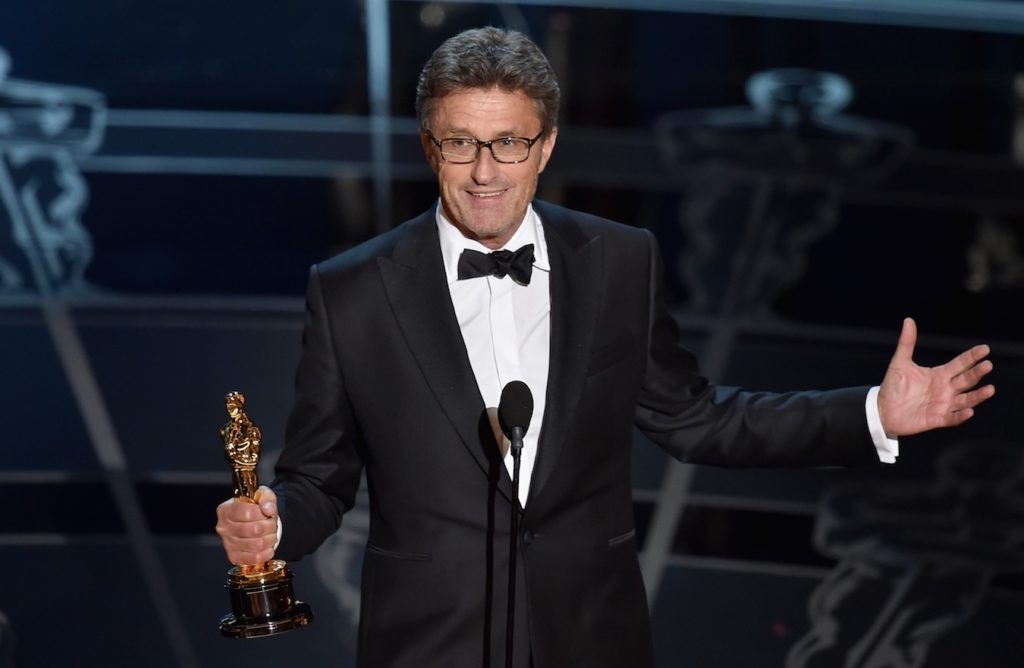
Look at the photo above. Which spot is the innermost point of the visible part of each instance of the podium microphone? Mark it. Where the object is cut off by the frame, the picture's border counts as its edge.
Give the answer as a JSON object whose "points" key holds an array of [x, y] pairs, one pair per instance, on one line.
{"points": [[515, 408]]}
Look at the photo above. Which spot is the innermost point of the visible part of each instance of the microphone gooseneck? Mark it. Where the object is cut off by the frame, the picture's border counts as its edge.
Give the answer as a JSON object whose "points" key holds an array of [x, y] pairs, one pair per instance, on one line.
{"points": [[515, 409]]}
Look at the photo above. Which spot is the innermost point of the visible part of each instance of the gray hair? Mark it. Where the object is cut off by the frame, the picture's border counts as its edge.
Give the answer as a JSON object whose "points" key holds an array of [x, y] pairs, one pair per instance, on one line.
{"points": [[488, 58]]}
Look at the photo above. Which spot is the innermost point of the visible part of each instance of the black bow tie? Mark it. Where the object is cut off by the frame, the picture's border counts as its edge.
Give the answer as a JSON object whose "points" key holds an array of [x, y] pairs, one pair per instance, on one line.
{"points": [[518, 264]]}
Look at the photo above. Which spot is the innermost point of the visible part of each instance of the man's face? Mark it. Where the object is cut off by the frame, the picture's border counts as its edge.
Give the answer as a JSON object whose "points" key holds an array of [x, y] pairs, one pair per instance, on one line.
{"points": [[487, 199]]}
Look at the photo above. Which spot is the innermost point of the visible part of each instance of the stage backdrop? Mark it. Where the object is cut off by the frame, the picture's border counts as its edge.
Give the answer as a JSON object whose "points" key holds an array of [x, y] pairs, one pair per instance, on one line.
{"points": [[169, 171]]}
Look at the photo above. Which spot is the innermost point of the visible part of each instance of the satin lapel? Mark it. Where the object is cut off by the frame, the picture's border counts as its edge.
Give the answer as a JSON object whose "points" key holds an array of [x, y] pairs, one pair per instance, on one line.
{"points": [[414, 280], [577, 269]]}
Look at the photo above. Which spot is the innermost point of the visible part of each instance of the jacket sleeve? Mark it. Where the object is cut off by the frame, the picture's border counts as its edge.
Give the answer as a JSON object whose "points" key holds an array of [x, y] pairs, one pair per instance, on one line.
{"points": [[695, 421], [319, 471]]}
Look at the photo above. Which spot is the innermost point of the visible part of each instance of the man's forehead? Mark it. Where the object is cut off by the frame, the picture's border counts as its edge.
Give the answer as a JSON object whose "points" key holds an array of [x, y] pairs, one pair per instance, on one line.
{"points": [[496, 109]]}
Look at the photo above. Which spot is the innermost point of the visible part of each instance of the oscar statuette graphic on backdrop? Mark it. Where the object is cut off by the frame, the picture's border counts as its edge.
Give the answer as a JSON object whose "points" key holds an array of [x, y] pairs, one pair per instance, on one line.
{"points": [[262, 601]]}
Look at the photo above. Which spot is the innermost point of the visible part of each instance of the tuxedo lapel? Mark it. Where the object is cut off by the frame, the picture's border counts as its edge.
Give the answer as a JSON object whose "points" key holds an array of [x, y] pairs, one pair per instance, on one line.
{"points": [[576, 291], [414, 280]]}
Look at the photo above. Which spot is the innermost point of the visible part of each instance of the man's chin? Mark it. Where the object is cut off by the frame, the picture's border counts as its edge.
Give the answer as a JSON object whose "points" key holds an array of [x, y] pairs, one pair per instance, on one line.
{"points": [[486, 231]]}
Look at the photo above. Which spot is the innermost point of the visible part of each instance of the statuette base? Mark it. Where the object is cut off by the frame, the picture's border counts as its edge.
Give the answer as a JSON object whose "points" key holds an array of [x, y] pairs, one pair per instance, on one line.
{"points": [[262, 602]]}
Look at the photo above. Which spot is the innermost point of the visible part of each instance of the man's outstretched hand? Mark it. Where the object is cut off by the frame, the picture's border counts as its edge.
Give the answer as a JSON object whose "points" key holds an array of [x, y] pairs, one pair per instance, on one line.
{"points": [[913, 398]]}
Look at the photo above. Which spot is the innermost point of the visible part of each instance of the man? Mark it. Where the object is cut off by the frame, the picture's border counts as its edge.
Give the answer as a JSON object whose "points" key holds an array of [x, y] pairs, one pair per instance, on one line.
{"points": [[405, 349]]}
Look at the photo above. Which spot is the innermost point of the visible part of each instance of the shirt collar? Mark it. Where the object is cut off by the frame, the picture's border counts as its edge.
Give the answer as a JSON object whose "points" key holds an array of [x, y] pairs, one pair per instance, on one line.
{"points": [[453, 242]]}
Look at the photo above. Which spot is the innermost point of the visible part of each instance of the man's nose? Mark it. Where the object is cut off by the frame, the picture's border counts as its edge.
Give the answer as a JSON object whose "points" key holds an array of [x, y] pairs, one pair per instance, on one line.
{"points": [[486, 167]]}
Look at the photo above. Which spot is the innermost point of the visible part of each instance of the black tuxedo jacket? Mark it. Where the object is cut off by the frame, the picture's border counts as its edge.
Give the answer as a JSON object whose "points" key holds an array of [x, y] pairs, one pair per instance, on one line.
{"points": [[385, 385]]}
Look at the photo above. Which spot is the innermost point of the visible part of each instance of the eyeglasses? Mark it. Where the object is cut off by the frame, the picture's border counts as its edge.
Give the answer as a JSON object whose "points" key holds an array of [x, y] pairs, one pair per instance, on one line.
{"points": [[464, 150]]}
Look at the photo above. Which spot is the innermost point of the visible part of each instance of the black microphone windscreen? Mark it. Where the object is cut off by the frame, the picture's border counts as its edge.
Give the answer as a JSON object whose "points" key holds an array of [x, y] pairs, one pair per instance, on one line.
{"points": [[515, 407]]}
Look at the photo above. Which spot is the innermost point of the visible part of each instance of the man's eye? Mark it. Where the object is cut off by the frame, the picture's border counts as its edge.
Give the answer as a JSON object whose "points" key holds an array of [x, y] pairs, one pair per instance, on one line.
{"points": [[507, 142], [459, 142]]}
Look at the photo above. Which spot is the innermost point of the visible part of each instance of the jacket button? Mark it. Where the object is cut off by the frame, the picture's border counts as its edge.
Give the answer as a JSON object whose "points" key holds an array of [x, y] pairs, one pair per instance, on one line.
{"points": [[528, 537]]}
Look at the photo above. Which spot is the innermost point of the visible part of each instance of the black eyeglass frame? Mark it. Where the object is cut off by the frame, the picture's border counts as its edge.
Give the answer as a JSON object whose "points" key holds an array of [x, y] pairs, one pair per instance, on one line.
{"points": [[485, 144]]}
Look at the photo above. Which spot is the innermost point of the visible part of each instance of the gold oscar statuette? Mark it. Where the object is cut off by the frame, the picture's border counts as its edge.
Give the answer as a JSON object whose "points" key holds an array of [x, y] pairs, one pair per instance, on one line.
{"points": [[262, 601]]}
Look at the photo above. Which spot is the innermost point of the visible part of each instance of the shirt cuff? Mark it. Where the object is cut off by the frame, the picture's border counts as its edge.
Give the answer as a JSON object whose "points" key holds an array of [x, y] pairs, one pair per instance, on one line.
{"points": [[888, 448], [280, 528]]}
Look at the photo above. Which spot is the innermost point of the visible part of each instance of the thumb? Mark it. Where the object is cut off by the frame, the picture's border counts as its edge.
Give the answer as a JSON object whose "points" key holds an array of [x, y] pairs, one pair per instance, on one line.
{"points": [[907, 342], [267, 501]]}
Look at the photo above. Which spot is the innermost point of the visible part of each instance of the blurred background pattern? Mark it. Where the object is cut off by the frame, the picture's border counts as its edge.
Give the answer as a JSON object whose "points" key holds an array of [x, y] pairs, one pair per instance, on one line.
{"points": [[815, 170]]}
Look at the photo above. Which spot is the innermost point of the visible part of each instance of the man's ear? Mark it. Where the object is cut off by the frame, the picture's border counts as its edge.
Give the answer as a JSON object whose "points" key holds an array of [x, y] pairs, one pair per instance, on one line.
{"points": [[428, 150], [547, 147]]}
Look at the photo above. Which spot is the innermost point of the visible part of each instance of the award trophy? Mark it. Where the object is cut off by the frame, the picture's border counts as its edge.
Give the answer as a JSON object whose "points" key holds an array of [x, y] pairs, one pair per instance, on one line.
{"points": [[262, 602]]}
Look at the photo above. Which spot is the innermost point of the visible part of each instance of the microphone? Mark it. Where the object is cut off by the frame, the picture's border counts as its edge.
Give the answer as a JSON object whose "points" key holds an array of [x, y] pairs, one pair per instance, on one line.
{"points": [[515, 408]]}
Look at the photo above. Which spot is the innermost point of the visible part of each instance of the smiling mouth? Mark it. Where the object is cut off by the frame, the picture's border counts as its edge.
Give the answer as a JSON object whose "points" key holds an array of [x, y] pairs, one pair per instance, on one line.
{"points": [[487, 195]]}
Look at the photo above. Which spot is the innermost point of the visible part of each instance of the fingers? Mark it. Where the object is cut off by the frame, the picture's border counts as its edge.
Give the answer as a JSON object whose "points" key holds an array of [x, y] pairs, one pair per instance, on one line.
{"points": [[971, 376], [267, 501], [966, 371], [970, 360], [968, 400], [246, 532], [957, 418], [963, 408]]}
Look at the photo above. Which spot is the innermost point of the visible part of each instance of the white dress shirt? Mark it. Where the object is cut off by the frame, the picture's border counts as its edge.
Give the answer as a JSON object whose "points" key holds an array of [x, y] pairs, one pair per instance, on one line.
{"points": [[506, 327]]}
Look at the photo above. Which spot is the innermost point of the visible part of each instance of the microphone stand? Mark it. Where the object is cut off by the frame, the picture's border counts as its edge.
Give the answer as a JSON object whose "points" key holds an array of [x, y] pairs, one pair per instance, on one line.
{"points": [[517, 448]]}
